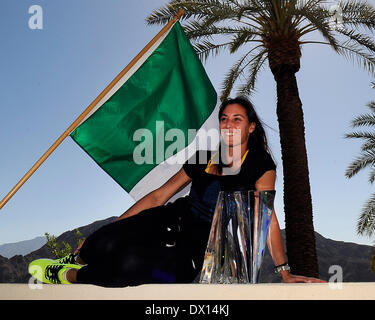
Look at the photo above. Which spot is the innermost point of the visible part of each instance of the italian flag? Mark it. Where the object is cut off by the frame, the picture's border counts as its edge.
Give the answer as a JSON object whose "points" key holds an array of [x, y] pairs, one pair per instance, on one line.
{"points": [[166, 89]]}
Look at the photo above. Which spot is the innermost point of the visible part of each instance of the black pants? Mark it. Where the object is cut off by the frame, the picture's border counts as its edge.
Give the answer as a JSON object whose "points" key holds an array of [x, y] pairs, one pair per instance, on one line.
{"points": [[165, 244]]}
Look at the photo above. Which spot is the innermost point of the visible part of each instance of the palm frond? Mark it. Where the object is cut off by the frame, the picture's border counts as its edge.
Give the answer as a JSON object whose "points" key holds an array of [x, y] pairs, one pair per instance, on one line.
{"points": [[196, 30], [246, 9], [358, 38], [285, 12], [366, 159], [353, 52], [372, 176], [241, 38], [206, 48], [229, 11], [162, 15], [358, 13], [319, 20], [253, 73], [234, 73], [218, 12], [368, 145], [197, 8], [210, 10], [364, 120], [371, 105], [366, 220], [360, 135]]}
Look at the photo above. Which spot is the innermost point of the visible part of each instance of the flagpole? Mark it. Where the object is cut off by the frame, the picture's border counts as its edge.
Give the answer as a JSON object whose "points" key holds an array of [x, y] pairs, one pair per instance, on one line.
{"points": [[83, 115]]}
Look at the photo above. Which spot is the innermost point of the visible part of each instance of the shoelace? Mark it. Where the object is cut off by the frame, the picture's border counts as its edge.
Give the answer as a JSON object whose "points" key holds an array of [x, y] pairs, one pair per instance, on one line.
{"points": [[68, 259], [52, 273]]}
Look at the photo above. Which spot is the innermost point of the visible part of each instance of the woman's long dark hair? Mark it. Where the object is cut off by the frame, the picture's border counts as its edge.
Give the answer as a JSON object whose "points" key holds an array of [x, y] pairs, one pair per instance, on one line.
{"points": [[257, 139]]}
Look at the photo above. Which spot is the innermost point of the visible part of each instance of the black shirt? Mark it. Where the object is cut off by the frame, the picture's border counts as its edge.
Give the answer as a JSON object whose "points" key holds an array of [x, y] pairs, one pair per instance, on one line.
{"points": [[205, 187]]}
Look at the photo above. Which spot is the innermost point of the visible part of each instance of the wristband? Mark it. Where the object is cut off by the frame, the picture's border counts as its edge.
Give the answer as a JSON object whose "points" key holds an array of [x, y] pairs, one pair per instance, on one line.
{"points": [[282, 267]]}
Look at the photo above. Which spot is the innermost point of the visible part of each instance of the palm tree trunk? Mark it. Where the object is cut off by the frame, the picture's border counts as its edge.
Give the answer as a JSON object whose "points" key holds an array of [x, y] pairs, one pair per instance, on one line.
{"points": [[300, 237]]}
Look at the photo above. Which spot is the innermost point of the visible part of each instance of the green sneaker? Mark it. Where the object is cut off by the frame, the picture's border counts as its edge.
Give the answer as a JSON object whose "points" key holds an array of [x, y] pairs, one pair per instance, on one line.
{"points": [[47, 271]]}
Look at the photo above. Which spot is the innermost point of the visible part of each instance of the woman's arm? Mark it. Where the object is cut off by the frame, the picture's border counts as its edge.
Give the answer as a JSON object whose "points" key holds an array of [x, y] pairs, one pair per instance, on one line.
{"points": [[159, 196], [155, 198], [274, 240]]}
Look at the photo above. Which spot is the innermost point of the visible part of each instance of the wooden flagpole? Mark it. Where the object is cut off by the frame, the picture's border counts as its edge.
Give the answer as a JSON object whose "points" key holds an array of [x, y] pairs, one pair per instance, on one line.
{"points": [[73, 126]]}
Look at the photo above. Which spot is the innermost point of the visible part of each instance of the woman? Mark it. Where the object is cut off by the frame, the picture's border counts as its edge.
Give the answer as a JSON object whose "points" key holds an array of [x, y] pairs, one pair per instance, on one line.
{"points": [[157, 243]]}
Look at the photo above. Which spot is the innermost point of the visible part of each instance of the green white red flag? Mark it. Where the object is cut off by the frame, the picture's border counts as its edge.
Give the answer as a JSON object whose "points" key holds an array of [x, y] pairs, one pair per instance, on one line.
{"points": [[140, 130]]}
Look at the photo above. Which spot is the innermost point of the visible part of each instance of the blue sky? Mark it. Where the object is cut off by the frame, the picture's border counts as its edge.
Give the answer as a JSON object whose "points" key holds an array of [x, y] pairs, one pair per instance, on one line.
{"points": [[49, 76]]}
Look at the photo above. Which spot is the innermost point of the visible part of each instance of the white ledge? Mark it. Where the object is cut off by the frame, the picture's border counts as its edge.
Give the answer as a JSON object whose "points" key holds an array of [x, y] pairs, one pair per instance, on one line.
{"points": [[279, 291]]}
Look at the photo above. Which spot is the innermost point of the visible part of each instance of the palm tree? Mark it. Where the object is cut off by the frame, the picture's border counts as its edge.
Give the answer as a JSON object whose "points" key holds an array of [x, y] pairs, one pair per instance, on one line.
{"points": [[366, 221], [272, 31]]}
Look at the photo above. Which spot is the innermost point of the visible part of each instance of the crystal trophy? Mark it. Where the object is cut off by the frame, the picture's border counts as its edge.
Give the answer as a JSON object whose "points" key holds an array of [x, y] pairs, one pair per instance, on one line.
{"points": [[238, 237]]}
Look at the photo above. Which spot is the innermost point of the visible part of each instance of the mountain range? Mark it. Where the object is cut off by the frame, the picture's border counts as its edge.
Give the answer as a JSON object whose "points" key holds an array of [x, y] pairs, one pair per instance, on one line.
{"points": [[9, 250], [353, 259]]}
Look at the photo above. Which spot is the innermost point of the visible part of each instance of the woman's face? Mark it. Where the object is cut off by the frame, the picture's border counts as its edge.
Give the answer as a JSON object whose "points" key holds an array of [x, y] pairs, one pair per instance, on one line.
{"points": [[235, 127]]}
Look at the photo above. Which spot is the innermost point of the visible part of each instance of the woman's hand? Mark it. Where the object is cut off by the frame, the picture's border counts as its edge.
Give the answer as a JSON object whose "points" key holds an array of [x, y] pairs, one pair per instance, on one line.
{"points": [[291, 278]]}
